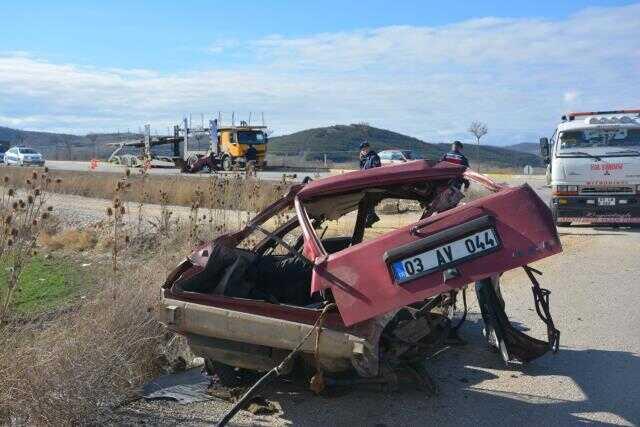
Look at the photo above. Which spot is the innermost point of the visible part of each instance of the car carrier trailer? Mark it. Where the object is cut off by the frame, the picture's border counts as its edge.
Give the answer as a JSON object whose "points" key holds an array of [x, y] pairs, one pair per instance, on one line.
{"points": [[225, 146]]}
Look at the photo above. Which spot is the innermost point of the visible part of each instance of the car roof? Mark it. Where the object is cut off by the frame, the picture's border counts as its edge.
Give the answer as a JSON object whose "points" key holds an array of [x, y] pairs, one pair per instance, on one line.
{"points": [[410, 172]]}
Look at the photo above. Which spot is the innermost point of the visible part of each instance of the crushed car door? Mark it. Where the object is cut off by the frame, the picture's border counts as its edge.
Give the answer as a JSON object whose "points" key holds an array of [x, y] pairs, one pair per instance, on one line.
{"points": [[443, 252]]}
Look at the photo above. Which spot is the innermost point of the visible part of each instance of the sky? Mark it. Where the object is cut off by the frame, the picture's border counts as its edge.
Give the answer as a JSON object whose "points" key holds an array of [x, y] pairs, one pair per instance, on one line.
{"points": [[422, 68]]}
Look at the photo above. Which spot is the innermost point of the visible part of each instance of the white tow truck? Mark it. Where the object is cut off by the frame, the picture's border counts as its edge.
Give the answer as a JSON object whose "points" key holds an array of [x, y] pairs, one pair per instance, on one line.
{"points": [[593, 160]]}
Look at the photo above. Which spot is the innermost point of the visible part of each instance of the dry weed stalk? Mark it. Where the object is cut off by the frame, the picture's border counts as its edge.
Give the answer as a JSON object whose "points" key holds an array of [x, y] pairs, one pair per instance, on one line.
{"points": [[162, 224], [116, 213], [143, 196], [194, 216]]}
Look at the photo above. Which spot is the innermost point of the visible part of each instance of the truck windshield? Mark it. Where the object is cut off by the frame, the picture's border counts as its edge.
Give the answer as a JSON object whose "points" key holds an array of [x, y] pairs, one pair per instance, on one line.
{"points": [[589, 138], [251, 137]]}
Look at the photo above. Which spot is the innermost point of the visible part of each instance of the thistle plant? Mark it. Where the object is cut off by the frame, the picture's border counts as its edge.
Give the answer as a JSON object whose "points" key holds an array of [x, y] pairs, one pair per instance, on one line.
{"points": [[23, 216]]}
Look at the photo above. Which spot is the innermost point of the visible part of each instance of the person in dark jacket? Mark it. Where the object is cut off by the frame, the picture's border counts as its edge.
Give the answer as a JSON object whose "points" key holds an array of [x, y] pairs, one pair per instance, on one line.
{"points": [[369, 159], [455, 156], [251, 154], [251, 158]]}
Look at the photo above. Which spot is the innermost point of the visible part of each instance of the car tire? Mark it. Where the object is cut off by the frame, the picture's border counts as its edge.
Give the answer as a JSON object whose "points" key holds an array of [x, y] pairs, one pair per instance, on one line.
{"points": [[227, 164], [227, 375]]}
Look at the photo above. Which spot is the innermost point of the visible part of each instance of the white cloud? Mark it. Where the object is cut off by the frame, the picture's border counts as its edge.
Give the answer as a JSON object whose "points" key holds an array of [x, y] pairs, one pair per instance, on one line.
{"points": [[518, 75], [222, 45], [571, 96]]}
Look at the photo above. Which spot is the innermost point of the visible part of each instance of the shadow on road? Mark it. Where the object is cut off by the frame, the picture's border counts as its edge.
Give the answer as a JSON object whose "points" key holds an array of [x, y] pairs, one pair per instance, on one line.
{"points": [[603, 230], [475, 389]]}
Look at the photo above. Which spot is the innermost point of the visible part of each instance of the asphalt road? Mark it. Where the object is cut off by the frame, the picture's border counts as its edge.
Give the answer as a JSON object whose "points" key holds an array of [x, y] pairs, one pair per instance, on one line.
{"points": [[595, 378], [108, 167]]}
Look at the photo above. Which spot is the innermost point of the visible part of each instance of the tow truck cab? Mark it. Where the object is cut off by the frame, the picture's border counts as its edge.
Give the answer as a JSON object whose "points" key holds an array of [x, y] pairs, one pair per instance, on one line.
{"points": [[593, 162]]}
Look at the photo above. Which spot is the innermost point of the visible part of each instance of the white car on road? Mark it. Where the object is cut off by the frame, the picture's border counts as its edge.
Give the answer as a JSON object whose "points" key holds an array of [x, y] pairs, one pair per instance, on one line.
{"points": [[392, 157], [23, 156]]}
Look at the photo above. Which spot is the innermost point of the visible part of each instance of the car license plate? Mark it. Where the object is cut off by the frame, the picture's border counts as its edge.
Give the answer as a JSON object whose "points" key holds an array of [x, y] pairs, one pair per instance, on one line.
{"points": [[606, 201], [444, 256]]}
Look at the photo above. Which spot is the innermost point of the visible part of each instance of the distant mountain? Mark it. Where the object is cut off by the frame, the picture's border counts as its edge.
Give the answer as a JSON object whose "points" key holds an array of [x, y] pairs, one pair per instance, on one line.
{"points": [[525, 147], [340, 143]]}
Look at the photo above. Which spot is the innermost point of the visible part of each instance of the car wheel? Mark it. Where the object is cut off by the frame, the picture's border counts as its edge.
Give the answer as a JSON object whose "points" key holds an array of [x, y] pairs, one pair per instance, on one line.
{"points": [[226, 163], [227, 375]]}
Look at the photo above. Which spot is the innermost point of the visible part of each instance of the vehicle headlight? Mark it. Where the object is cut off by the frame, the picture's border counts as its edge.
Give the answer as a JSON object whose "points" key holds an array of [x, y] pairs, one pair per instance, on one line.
{"points": [[564, 189]]}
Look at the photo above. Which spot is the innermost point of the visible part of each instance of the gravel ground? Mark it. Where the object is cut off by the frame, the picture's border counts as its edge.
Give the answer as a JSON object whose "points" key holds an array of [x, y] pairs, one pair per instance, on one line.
{"points": [[595, 378], [78, 211]]}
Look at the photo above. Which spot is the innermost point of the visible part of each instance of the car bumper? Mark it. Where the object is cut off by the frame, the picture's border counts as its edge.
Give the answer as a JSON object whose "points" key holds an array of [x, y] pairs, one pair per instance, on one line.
{"points": [[337, 350], [33, 162], [624, 209]]}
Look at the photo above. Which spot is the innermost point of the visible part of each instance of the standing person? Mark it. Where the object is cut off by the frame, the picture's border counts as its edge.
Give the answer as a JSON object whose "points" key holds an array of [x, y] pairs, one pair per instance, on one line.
{"points": [[455, 156], [369, 159], [251, 159]]}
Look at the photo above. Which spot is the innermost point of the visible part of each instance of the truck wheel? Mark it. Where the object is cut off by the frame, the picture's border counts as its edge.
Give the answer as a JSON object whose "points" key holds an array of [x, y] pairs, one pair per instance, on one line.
{"points": [[554, 214], [227, 164], [227, 375]]}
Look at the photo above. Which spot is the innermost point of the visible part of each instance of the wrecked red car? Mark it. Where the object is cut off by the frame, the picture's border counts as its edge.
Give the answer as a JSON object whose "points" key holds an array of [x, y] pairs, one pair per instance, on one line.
{"points": [[247, 299]]}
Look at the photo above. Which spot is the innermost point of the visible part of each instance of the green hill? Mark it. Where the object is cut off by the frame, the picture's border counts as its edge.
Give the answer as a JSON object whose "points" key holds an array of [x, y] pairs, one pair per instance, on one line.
{"points": [[340, 144]]}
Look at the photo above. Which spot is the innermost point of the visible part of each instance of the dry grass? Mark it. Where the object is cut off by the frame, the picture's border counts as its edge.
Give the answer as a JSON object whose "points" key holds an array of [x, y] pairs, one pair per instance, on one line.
{"points": [[214, 191], [82, 361], [77, 367], [78, 240]]}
